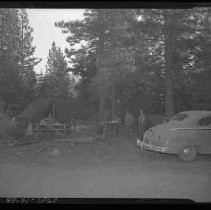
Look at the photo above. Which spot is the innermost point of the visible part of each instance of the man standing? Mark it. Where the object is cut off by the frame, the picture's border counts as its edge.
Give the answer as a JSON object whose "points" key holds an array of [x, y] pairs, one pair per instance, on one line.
{"points": [[129, 120], [73, 124], [115, 125], [29, 131], [141, 124]]}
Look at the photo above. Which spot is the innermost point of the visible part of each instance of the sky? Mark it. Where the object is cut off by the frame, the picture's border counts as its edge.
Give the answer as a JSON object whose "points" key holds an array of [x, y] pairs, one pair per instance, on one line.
{"points": [[42, 21]]}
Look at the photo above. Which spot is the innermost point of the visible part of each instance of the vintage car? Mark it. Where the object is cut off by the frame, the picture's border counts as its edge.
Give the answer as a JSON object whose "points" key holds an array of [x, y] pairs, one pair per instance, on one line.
{"points": [[186, 134]]}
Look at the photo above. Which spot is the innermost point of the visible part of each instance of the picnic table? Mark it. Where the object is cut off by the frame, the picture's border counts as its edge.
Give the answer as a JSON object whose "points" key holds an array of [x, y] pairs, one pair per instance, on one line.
{"points": [[62, 128]]}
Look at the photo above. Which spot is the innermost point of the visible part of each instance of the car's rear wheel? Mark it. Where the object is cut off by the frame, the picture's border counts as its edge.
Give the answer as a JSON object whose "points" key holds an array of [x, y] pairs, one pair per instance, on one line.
{"points": [[188, 153]]}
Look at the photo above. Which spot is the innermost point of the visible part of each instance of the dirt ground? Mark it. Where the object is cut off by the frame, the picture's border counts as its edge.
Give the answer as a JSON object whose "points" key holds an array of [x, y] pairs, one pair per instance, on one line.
{"points": [[114, 168]]}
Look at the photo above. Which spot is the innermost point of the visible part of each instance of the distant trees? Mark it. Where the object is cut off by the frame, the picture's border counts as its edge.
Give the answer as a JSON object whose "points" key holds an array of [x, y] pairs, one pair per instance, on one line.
{"points": [[57, 82], [154, 59], [111, 37], [17, 77], [84, 60]]}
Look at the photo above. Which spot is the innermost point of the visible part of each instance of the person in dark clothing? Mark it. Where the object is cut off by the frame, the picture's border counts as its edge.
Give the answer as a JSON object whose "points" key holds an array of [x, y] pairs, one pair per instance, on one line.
{"points": [[73, 122], [141, 124], [129, 120], [116, 123], [101, 130]]}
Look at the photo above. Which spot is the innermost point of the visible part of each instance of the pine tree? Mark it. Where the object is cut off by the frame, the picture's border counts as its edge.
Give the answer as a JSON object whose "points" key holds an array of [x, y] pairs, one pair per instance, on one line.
{"points": [[10, 84], [168, 51], [9, 33], [16, 55], [57, 79], [85, 60], [176, 35], [27, 59]]}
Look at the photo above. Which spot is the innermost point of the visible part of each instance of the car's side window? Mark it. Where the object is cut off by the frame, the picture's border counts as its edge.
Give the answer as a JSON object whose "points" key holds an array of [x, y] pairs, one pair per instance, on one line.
{"points": [[179, 117], [206, 121]]}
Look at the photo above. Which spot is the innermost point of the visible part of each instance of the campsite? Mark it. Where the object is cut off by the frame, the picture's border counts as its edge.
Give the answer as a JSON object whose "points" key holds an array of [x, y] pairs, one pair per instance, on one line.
{"points": [[78, 112], [81, 166]]}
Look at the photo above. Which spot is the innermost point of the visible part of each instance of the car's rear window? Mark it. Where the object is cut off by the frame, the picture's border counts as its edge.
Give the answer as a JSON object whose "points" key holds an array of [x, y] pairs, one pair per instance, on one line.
{"points": [[205, 121], [179, 117]]}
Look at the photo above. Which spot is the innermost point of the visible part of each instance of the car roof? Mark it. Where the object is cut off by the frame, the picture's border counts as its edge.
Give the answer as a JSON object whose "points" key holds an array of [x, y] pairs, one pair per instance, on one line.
{"points": [[194, 116], [197, 113], [201, 113]]}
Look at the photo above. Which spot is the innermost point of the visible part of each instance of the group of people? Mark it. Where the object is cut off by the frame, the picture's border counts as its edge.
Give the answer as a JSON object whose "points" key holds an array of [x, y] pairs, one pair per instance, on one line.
{"points": [[108, 126], [130, 125]]}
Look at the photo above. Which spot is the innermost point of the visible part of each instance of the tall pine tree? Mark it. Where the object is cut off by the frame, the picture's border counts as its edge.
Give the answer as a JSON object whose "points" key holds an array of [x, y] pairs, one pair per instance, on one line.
{"points": [[10, 84], [16, 55], [27, 59], [57, 80]]}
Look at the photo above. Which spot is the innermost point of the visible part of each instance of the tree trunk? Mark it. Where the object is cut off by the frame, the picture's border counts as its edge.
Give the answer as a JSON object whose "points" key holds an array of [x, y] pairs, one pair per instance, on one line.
{"points": [[114, 100], [169, 105], [209, 22], [101, 106], [169, 102], [1, 34], [208, 33], [22, 58], [100, 49], [117, 60]]}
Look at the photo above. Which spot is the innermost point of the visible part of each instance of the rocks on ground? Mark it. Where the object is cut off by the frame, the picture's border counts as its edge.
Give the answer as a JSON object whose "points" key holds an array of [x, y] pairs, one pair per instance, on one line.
{"points": [[55, 152]]}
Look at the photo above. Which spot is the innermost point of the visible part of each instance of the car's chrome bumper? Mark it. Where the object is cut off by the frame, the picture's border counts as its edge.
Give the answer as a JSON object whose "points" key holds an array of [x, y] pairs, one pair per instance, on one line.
{"points": [[142, 145]]}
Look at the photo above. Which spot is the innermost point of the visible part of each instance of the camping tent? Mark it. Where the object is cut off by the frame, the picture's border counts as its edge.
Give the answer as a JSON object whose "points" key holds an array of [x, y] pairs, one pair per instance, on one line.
{"points": [[37, 110], [64, 110]]}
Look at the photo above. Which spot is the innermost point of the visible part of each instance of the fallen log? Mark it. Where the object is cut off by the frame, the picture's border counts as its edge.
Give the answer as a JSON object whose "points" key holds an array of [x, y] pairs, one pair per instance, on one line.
{"points": [[80, 140]]}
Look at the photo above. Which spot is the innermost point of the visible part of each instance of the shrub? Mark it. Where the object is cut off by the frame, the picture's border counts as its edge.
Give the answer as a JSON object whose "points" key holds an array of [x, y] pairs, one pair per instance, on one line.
{"points": [[6, 128]]}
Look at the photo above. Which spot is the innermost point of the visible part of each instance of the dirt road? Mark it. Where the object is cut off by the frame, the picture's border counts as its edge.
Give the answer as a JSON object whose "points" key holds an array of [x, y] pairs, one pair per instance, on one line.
{"points": [[114, 168]]}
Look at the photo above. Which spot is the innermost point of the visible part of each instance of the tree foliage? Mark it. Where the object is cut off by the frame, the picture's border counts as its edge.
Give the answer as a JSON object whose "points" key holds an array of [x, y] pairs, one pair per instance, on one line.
{"points": [[153, 59], [27, 50], [56, 82], [17, 77]]}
